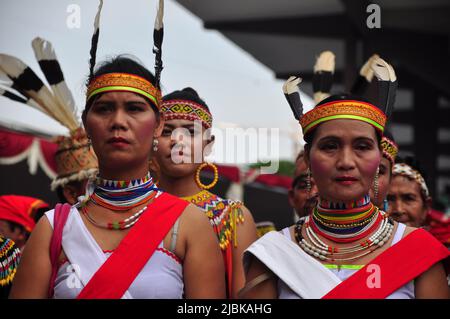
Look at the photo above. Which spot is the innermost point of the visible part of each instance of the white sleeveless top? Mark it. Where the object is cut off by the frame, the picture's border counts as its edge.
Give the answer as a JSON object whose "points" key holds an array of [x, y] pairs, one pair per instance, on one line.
{"points": [[345, 271], [161, 277]]}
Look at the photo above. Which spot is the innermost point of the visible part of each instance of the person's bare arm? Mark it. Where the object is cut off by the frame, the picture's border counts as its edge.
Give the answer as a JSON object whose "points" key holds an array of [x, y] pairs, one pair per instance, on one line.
{"points": [[246, 235], [266, 288], [432, 284], [203, 267], [34, 272]]}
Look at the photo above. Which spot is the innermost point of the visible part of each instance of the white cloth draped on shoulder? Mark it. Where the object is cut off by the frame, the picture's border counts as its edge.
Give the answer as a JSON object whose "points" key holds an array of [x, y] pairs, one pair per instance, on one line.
{"points": [[306, 276], [80, 248]]}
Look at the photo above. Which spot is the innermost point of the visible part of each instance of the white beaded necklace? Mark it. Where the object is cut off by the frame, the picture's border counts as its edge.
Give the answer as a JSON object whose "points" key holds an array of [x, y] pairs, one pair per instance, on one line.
{"points": [[317, 248]]}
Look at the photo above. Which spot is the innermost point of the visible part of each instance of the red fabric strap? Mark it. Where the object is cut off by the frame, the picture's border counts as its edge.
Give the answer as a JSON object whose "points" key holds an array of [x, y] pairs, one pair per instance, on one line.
{"points": [[397, 265], [119, 271], [59, 220], [228, 261]]}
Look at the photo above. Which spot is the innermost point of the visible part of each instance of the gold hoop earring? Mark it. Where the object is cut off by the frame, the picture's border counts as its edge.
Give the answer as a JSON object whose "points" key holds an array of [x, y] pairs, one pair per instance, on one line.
{"points": [[216, 176]]}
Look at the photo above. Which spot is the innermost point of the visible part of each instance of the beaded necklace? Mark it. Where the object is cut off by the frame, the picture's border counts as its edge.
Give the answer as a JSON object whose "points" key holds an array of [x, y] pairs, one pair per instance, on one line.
{"points": [[9, 260], [123, 195], [317, 248], [120, 225], [223, 214], [344, 223], [120, 196]]}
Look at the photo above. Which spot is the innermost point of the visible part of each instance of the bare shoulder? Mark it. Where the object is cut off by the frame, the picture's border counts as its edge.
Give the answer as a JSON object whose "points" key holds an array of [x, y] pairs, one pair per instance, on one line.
{"points": [[194, 222], [194, 215], [246, 212], [41, 234], [249, 222]]}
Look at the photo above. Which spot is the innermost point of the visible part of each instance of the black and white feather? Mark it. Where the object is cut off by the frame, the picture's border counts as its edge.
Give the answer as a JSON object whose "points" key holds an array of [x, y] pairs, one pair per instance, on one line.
{"points": [[365, 77], [291, 90], [94, 40], [323, 75], [387, 85], [8, 90], [158, 35], [51, 68], [33, 92]]}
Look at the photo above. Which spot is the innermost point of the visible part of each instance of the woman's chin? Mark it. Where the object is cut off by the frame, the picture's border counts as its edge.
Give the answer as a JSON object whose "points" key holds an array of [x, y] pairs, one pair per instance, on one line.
{"points": [[347, 195], [178, 170]]}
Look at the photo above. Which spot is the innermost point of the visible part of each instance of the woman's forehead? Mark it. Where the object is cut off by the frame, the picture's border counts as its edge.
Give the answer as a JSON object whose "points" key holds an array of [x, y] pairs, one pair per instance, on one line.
{"points": [[345, 128], [404, 184], [181, 123], [121, 96]]}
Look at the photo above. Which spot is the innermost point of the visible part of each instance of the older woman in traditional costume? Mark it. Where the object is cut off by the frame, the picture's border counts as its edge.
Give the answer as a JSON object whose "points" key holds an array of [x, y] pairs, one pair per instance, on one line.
{"points": [[409, 198], [348, 247]]}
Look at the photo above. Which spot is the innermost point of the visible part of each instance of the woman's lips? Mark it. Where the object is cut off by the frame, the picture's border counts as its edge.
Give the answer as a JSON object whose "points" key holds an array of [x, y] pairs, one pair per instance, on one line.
{"points": [[179, 157], [118, 141], [346, 180]]}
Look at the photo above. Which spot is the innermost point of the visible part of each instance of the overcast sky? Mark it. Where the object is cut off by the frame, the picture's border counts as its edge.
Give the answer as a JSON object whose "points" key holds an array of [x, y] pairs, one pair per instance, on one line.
{"points": [[238, 89]]}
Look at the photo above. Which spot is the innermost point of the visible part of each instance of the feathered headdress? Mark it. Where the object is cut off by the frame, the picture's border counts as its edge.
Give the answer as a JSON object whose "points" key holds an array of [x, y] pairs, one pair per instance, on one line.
{"points": [[128, 82], [75, 158], [330, 109], [323, 76], [364, 77]]}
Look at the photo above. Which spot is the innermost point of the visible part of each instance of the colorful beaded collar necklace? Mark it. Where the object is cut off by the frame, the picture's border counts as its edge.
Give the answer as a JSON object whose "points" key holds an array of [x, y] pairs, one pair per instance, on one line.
{"points": [[345, 222], [123, 195]]}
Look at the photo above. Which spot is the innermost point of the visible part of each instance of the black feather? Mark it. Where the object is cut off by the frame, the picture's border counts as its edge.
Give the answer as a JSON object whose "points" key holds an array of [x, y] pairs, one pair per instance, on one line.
{"points": [[14, 97], [52, 71], [360, 86], [158, 36], [27, 81], [322, 81], [93, 52], [296, 104], [387, 93]]}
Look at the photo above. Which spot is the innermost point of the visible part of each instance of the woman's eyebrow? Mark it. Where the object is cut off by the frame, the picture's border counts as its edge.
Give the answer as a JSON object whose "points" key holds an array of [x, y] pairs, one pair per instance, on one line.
{"points": [[365, 138], [329, 137], [136, 102], [103, 102]]}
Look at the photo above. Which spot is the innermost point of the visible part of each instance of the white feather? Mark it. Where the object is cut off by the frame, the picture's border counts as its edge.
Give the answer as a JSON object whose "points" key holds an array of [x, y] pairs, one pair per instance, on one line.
{"points": [[366, 70], [325, 62], [13, 67], [97, 16], [383, 70], [6, 86], [291, 85], [159, 15], [44, 51], [320, 96]]}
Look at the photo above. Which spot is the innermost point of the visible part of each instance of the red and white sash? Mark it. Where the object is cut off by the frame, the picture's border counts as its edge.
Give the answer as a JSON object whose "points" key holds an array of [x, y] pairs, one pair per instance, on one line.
{"points": [[109, 278], [308, 278]]}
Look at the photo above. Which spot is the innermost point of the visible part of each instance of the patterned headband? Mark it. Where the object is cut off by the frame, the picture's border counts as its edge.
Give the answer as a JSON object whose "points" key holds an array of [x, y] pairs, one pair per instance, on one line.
{"points": [[406, 170], [110, 82], [347, 109], [186, 110], [389, 148]]}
